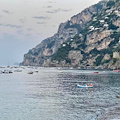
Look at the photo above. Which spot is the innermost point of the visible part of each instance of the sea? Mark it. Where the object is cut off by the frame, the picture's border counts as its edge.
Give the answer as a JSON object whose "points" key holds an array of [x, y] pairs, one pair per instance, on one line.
{"points": [[53, 94]]}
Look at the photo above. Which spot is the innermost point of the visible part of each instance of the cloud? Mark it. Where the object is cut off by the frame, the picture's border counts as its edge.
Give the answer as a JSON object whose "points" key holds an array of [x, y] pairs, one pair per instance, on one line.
{"points": [[66, 10], [22, 20], [41, 17], [12, 26], [20, 31], [1, 25], [59, 10], [41, 23], [29, 29], [49, 6], [28, 34], [51, 2], [7, 12], [54, 11], [24, 33]]}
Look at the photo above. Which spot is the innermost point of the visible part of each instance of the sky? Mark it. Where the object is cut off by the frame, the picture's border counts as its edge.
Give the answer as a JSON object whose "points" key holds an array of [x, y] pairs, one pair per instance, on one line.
{"points": [[25, 23]]}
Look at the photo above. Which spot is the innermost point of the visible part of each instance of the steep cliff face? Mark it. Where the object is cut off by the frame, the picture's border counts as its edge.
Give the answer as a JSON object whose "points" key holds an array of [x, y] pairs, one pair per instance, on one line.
{"points": [[96, 43], [42, 53], [87, 40]]}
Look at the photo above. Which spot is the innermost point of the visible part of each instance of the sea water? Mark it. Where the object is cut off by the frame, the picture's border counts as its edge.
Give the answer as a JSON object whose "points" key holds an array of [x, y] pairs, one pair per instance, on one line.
{"points": [[52, 94]]}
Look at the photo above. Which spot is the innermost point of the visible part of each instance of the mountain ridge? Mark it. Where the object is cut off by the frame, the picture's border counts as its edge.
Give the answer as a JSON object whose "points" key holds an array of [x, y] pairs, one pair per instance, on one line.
{"points": [[85, 34]]}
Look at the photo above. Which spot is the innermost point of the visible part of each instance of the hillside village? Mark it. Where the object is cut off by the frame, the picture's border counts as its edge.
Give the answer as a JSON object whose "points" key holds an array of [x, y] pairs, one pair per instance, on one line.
{"points": [[90, 40]]}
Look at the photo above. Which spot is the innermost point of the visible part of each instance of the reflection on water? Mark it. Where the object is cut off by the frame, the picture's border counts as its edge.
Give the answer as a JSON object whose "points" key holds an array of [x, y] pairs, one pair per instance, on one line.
{"points": [[52, 94]]}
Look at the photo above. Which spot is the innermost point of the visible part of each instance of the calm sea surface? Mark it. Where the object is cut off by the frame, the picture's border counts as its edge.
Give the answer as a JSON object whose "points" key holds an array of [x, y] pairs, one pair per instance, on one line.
{"points": [[52, 94]]}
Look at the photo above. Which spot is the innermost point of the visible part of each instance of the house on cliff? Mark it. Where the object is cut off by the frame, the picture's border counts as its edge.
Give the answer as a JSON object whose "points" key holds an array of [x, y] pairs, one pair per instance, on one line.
{"points": [[116, 55]]}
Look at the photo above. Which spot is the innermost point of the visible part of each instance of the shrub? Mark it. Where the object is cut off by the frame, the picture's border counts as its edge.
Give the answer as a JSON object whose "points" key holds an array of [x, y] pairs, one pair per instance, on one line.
{"points": [[116, 36], [98, 6], [94, 51], [50, 44], [110, 3], [114, 60], [98, 60], [117, 49], [77, 26], [35, 53], [105, 61], [62, 53], [105, 51], [27, 56], [113, 27]]}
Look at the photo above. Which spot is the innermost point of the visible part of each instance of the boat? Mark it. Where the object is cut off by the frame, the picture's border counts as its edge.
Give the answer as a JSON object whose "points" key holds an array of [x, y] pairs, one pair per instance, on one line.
{"points": [[96, 72], [30, 72], [85, 86], [17, 70], [7, 71], [116, 70]]}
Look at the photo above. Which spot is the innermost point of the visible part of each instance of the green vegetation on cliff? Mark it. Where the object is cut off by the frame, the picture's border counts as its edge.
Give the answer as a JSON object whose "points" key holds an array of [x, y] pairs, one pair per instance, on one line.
{"points": [[89, 38], [100, 23]]}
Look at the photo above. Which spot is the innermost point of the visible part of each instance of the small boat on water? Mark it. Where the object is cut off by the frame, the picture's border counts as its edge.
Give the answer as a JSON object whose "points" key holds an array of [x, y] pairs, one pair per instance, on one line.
{"points": [[17, 70], [30, 72], [7, 71], [96, 72], [85, 86], [116, 70]]}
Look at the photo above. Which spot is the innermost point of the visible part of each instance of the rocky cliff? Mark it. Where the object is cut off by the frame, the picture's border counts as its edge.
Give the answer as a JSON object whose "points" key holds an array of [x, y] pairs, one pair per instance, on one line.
{"points": [[87, 40]]}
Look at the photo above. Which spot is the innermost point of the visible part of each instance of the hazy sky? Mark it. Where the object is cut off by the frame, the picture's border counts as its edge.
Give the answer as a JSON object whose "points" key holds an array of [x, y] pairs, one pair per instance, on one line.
{"points": [[25, 23]]}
